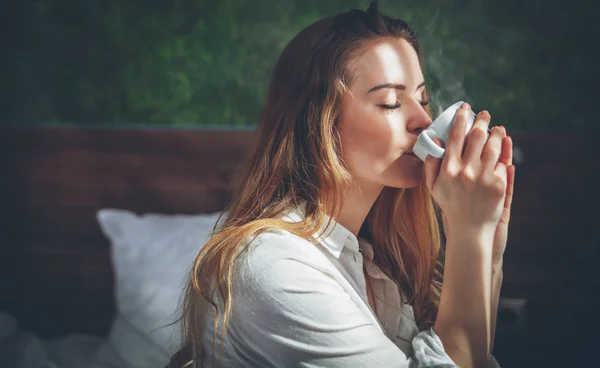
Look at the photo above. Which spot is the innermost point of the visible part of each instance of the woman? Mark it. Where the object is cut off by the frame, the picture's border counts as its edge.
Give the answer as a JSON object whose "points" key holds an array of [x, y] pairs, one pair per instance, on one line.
{"points": [[330, 254]]}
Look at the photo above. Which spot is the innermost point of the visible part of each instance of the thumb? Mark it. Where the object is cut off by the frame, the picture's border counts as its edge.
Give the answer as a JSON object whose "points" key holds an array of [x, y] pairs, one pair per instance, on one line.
{"points": [[432, 170]]}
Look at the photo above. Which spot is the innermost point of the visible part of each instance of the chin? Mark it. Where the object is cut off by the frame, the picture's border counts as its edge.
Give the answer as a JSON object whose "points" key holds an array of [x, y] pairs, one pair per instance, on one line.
{"points": [[405, 181], [404, 184], [406, 174]]}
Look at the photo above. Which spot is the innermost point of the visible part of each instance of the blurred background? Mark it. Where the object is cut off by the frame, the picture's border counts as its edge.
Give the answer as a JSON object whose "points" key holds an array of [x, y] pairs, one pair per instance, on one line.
{"points": [[181, 62], [143, 110]]}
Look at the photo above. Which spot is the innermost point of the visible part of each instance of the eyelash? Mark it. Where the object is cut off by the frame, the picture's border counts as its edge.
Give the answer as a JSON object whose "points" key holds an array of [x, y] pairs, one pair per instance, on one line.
{"points": [[397, 105]]}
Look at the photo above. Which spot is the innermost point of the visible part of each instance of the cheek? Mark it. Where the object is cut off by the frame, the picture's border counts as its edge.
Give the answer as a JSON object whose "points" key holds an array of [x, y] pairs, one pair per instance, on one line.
{"points": [[369, 140]]}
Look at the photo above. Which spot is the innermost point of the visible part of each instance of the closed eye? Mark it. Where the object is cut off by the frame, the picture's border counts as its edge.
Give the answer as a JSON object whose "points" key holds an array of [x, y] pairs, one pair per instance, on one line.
{"points": [[397, 105], [389, 107]]}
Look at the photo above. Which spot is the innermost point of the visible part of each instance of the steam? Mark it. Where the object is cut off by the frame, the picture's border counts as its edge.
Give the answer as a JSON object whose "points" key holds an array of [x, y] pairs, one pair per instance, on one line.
{"points": [[449, 77]]}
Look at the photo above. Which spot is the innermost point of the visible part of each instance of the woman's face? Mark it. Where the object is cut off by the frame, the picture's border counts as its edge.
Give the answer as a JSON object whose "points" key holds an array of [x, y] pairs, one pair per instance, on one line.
{"points": [[383, 115]]}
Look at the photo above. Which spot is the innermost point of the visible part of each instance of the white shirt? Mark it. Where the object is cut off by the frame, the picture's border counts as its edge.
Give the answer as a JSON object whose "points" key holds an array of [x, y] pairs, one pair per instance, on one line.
{"points": [[297, 304]]}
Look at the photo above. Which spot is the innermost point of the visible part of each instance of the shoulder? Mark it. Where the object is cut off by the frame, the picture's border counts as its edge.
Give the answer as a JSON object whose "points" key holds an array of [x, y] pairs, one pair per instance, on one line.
{"points": [[276, 259], [278, 245]]}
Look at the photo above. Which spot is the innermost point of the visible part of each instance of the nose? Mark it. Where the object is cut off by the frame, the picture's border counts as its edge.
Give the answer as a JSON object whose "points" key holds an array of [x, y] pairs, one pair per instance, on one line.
{"points": [[418, 119]]}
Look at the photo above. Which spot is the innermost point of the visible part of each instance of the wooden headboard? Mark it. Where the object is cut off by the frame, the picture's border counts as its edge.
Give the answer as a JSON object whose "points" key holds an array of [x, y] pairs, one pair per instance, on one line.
{"points": [[55, 273]]}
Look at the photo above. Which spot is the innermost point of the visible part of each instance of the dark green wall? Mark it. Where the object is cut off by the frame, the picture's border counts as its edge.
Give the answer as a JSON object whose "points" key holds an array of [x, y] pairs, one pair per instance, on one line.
{"points": [[208, 62]]}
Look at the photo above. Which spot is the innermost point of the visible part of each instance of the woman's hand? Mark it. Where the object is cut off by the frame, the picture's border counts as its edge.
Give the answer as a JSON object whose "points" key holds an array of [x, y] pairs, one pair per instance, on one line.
{"points": [[470, 182], [501, 234]]}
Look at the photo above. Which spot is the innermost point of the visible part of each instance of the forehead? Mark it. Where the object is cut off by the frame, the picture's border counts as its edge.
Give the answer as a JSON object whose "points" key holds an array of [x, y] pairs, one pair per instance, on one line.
{"points": [[387, 61]]}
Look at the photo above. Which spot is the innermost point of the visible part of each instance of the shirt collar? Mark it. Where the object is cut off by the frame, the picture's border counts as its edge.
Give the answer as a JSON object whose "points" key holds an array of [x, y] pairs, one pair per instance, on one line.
{"points": [[334, 238]]}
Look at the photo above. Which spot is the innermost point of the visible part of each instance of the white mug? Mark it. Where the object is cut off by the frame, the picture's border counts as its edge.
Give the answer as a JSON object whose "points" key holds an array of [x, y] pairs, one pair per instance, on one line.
{"points": [[440, 128]]}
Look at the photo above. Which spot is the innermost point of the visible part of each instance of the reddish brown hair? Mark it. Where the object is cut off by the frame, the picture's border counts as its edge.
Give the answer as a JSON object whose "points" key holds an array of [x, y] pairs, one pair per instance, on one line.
{"points": [[296, 159]]}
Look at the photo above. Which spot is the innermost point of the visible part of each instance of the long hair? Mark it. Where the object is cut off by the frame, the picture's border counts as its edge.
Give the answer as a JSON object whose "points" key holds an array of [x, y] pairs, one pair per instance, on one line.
{"points": [[296, 161]]}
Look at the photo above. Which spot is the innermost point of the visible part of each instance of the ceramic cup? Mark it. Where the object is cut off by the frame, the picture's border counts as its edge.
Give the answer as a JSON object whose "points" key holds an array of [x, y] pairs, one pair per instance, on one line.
{"points": [[439, 129]]}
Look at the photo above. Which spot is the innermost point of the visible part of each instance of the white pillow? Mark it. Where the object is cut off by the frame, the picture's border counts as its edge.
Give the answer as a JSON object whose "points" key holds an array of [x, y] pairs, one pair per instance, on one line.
{"points": [[151, 256]]}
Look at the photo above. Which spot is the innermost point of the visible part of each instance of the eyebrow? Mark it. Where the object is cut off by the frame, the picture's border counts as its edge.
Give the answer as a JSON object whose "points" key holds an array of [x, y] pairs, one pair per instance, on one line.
{"points": [[401, 87]]}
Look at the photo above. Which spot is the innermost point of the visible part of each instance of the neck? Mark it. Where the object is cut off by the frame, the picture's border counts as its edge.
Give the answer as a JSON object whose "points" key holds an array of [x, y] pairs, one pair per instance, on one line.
{"points": [[358, 202]]}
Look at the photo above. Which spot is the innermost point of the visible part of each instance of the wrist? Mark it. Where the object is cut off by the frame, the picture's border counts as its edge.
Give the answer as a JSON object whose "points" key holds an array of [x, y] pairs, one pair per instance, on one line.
{"points": [[479, 231], [482, 235]]}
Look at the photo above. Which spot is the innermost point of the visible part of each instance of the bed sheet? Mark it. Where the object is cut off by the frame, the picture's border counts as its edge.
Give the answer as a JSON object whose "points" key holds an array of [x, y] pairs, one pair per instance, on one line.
{"points": [[23, 349]]}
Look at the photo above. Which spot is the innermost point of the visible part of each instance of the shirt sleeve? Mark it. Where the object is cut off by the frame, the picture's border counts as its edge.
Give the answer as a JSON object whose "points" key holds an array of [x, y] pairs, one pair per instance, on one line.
{"points": [[428, 348], [293, 313]]}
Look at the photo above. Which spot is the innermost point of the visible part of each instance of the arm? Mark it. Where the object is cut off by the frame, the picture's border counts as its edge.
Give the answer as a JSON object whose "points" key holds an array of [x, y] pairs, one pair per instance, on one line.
{"points": [[501, 235], [464, 316], [497, 276]]}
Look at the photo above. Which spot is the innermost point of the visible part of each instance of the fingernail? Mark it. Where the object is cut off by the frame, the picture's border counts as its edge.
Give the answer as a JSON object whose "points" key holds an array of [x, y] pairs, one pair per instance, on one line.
{"points": [[503, 129], [465, 106]]}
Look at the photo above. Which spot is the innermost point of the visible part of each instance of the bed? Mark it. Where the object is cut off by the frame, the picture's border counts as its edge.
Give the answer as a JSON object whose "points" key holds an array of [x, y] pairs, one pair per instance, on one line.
{"points": [[58, 277]]}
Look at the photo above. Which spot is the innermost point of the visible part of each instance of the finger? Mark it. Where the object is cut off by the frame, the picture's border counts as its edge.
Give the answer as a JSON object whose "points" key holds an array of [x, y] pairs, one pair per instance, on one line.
{"points": [[482, 121], [432, 170], [503, 130], [507, 151], [500, 173], [492, 150], [510, 184], [476, 138], [456, 136]]}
